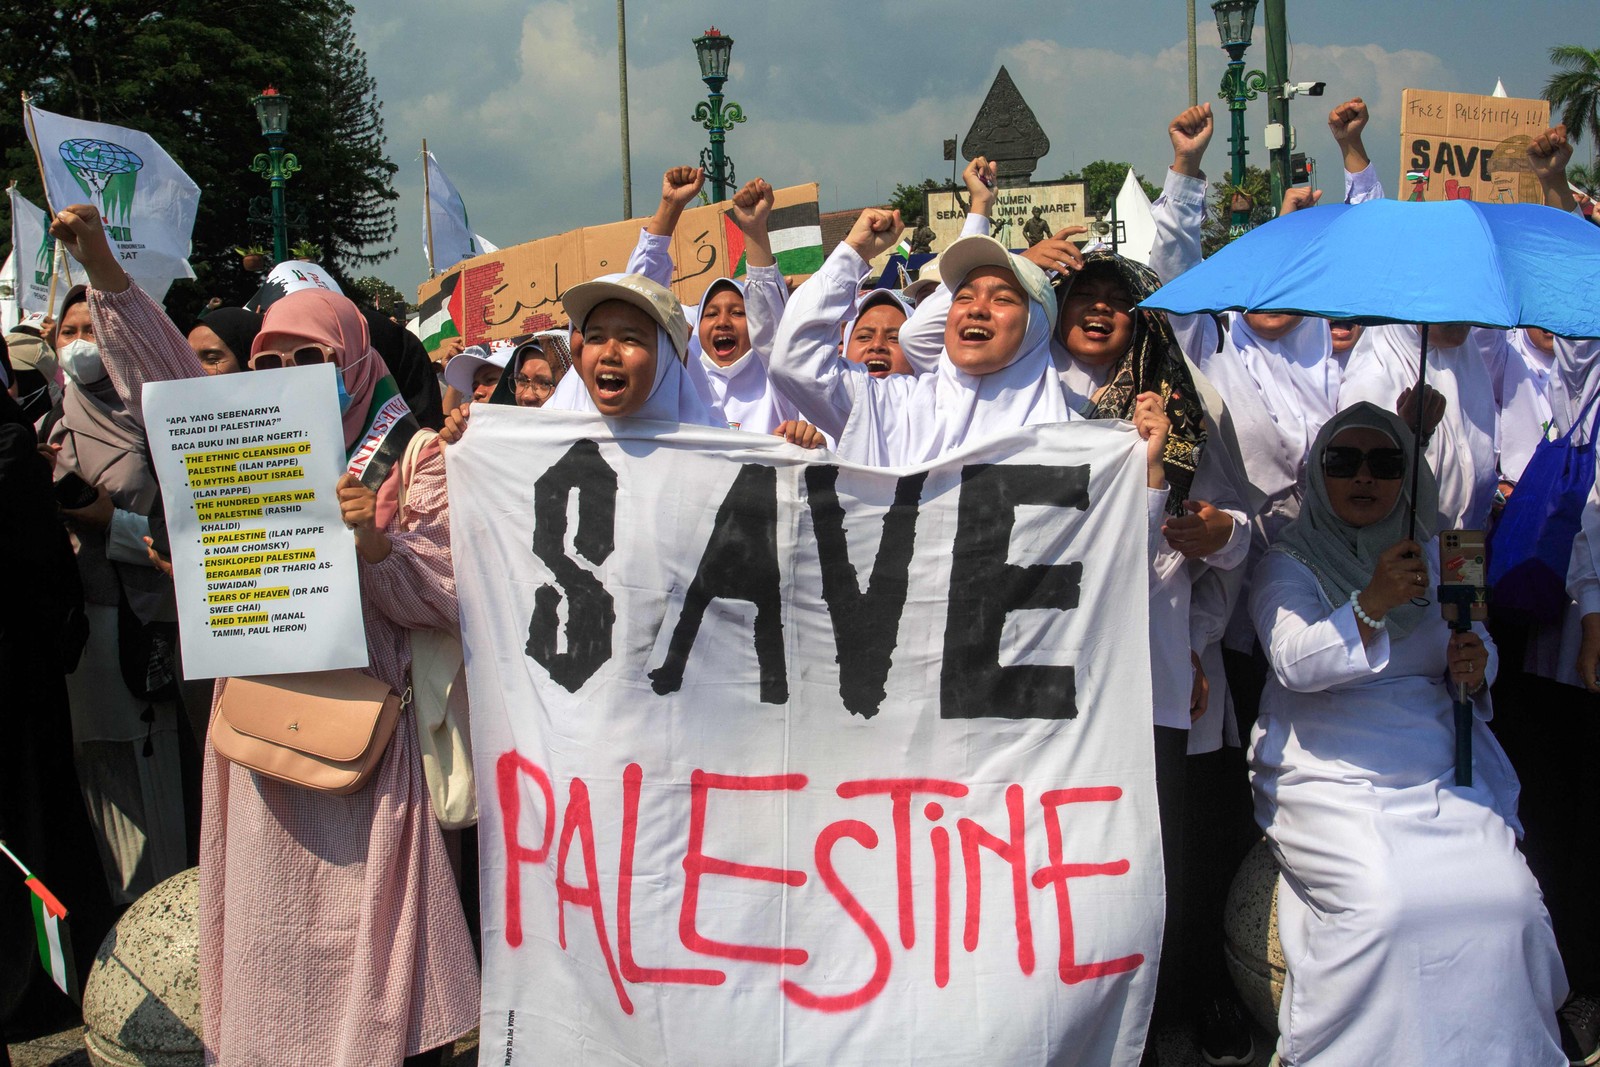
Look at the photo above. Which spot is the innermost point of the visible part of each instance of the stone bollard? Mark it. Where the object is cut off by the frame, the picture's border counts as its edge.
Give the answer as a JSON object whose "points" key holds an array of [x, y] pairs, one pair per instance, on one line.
{"points": [[141, 1004], [1250, 936]]}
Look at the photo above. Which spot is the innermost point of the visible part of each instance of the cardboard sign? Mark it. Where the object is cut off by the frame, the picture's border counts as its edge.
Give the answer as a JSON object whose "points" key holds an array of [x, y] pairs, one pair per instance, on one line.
{"points": [[1461, 146], [518, 290], [785, 760]]}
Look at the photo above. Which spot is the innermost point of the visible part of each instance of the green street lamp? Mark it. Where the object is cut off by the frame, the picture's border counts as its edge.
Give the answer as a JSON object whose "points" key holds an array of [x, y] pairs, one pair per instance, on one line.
{"points": [[276, 165], [1236, 21], [713, 49]]}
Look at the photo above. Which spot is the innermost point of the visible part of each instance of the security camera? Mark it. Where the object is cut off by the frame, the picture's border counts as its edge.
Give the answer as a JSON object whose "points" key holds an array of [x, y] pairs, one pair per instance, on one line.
{"points": [[1303, 89]]}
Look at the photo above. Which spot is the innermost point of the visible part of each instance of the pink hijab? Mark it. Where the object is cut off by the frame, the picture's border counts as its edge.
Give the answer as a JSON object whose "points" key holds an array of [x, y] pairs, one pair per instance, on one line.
{"points": [[332, 320]]}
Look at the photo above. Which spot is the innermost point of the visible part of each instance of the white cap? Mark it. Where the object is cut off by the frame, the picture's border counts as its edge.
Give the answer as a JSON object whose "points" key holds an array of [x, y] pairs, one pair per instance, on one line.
{"points": [[927, 281], [460, 371], [969, 253]]}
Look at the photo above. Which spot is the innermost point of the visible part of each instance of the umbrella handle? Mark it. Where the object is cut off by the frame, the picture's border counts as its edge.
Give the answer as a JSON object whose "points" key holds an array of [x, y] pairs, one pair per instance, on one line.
{"points": [[1416, 445]]}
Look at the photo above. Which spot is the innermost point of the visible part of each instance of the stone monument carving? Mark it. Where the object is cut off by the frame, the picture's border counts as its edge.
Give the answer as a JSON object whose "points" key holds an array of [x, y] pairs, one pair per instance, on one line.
{"points": [[1007, 133]]}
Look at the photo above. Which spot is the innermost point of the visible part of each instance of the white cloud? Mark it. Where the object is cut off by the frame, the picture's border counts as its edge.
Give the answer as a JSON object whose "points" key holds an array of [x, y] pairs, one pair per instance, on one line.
{"points": [[522, 110]]}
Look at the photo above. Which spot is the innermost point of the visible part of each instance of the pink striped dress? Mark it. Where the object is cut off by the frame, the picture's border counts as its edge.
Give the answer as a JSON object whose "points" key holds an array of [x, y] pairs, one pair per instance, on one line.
{"points": [[330, 928]]}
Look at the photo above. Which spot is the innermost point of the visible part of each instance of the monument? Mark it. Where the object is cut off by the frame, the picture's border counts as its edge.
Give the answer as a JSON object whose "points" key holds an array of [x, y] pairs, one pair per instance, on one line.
{"points": [[1025, 212]]}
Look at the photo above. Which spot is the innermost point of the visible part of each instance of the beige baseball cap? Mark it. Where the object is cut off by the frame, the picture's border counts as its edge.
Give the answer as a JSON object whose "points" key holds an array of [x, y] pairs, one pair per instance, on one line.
{"points": [[928, 280], [653, 298], [969, 253]]}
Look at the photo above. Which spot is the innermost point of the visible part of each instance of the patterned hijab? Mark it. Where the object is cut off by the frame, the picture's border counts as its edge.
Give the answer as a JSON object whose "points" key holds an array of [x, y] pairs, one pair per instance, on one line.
{"points": [[1153, 363]]}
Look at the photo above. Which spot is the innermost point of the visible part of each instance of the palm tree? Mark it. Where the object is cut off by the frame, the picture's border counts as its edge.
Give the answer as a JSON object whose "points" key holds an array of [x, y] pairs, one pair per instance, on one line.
{"points": [[1584, 178], [1576, 90]]}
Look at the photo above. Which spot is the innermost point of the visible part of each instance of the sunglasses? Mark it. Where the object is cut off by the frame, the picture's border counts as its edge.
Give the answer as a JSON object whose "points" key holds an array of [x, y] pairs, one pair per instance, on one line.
{"points": [[300, 357], [1385, 464]]}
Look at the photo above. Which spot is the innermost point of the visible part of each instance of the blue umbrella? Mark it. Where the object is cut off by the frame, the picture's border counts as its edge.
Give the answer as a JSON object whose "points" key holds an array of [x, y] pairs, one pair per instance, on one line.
{"points": [[1500, 265], [1497, 265]]}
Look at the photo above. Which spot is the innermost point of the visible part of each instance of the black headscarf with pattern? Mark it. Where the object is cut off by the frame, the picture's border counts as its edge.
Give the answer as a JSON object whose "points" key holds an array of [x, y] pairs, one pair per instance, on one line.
{"points": [[1153, 363]]}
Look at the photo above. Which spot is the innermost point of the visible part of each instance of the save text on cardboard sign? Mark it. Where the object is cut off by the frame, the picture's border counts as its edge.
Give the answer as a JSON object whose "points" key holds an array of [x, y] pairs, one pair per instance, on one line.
{"points": [[1460, 146]]}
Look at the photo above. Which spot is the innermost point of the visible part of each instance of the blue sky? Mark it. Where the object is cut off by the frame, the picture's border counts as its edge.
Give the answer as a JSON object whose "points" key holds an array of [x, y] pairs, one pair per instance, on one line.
{"points": [[519, 101]]}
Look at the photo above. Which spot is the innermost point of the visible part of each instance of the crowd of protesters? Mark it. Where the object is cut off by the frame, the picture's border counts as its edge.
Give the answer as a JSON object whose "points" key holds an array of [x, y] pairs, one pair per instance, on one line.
{"points": [[1302, 672]]}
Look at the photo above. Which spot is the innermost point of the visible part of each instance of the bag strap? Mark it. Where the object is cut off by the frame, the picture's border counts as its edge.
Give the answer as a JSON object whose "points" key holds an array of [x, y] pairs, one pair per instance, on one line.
{"points": [[408, 461], [1594, 424]]}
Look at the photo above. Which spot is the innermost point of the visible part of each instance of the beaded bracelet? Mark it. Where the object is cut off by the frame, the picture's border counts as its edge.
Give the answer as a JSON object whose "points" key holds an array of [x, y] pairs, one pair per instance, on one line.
{"points": [[1371, 623]]}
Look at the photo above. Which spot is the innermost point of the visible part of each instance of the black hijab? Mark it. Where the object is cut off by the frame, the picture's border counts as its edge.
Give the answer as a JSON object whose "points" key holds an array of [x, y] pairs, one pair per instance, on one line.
{"points": [[237, 327]]}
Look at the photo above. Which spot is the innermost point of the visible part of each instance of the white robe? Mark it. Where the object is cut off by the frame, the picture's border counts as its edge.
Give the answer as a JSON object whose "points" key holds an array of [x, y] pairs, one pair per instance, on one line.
{"points": [[1525, 414], [902, 419], [1464, 449], [741, 394], [1413, 930]]}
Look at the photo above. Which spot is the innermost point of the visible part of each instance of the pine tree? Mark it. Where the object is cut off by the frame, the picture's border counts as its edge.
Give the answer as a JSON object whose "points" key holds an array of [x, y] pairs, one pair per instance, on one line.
{"points": [[186, 72]]}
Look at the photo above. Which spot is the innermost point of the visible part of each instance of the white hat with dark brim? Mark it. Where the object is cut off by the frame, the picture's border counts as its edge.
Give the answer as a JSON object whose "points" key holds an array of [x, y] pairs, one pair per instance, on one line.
{"points": [[458, 374]]}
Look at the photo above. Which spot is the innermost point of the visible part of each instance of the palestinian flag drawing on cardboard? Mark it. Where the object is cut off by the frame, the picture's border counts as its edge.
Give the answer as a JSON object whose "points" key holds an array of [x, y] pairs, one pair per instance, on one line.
{"points": [[796, 235], [50, 930], [436, 320]]}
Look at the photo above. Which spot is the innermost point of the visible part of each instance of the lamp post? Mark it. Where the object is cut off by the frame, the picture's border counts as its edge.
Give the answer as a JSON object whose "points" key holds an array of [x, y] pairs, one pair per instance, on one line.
{"points": [[1236, 20], [276, 165], [713, 49]]}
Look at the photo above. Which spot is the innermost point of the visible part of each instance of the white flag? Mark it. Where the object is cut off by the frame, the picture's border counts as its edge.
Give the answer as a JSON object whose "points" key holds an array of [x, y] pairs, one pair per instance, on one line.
{"points": [[147, 201], [10, 313], [32, 249], [447, 236]]}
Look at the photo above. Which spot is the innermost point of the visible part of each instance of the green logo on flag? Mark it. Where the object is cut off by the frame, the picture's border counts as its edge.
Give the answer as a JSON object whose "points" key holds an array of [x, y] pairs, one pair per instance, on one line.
{"points": [[44, 259], [107, 174]]}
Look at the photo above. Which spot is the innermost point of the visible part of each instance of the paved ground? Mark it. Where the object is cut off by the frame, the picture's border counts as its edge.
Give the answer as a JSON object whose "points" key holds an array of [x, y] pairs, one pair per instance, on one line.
{"points": [[65, 1049]]}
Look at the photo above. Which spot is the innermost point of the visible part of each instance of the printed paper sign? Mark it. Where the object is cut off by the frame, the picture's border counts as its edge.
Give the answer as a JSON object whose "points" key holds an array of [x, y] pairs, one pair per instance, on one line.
{"points": [[787, 761], [264, 566], [1460, 146]]}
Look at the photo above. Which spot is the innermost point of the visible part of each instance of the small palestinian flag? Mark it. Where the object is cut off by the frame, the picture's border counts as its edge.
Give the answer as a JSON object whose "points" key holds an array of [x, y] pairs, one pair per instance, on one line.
{"points": [[1419, 182], [55, 942], [796, 235]]}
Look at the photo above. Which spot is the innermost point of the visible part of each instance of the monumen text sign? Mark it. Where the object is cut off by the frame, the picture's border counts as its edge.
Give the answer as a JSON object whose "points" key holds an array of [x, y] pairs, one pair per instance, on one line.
{"points": [[783, 760], [1060, 204], [1460, 146]]}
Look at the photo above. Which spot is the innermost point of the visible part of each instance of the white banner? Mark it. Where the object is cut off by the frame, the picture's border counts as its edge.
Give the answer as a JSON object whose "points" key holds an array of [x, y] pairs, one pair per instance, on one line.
{"points": [[33, 250], [783, 761], [447, 236], [147, 201], [264, 568]]}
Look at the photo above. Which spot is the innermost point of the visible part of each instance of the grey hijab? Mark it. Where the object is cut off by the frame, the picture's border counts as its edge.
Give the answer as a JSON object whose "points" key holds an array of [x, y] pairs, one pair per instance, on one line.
{"points": [[1343, 556]]}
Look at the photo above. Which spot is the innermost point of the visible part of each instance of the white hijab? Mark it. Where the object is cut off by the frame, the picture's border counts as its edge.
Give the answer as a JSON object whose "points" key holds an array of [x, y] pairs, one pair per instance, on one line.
{"points": [[1526, 414], [1296, 375], [673, 397], [1464, 448], [740, 392], [903, 420]]}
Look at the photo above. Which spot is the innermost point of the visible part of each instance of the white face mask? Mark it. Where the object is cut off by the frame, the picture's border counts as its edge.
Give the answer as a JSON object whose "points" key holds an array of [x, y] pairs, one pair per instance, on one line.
{"points": [[81, 360]]}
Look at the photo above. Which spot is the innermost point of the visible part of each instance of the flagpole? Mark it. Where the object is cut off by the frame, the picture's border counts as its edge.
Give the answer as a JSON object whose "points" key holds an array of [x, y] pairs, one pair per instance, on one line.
{"points": [[33, 139], [12, 856], [427, 206]]}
